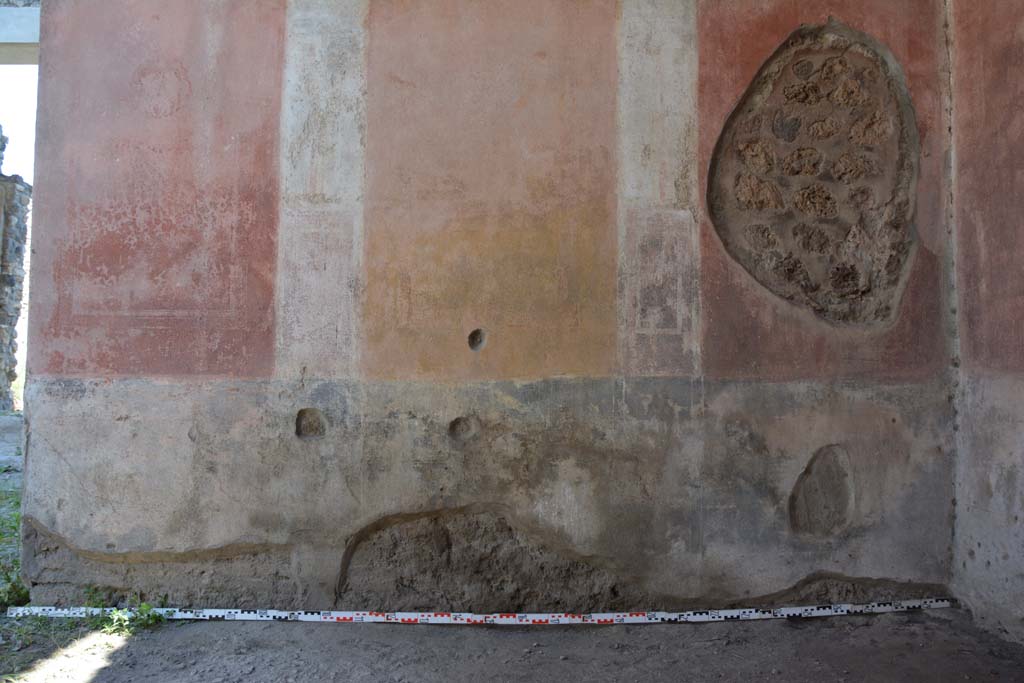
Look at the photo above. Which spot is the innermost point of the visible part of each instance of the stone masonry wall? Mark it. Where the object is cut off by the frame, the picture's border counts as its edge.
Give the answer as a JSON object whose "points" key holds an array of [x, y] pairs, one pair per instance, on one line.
{"points": [[15, 195]]}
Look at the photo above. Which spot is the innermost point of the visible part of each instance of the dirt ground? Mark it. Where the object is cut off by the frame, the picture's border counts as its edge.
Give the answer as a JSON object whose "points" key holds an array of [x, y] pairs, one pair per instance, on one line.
{"points": [[942, 645]]}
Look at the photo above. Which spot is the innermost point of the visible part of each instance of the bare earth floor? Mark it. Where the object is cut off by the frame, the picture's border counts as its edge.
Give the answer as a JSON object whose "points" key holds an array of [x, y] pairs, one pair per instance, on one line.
{"points": [[935, 646]]}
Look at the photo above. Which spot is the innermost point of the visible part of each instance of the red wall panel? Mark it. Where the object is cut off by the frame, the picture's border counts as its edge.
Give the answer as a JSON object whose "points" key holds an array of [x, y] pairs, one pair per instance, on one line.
{"points": [[154, 233]]}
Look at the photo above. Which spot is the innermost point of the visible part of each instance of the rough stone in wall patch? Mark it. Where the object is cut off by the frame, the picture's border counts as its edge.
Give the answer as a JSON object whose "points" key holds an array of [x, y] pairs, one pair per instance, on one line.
{"points": [[472, 559], [812, 182], [822, 499]]}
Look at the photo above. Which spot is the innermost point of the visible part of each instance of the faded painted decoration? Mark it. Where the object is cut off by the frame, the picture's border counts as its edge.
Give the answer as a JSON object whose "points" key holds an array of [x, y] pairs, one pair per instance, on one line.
{"points": [[813, 180]]}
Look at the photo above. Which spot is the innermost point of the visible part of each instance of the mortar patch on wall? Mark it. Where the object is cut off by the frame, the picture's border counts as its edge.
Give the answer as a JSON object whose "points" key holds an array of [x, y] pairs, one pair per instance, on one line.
{"points": [[812, 183]]}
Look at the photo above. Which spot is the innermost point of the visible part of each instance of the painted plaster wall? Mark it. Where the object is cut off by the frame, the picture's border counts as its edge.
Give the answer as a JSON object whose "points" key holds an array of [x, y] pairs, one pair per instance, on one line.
{"points": [[989, 551], [258, 207]]}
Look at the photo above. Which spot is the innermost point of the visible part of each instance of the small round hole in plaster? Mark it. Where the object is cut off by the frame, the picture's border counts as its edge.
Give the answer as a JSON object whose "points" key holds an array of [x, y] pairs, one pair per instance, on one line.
{"points": [[477, 338]]}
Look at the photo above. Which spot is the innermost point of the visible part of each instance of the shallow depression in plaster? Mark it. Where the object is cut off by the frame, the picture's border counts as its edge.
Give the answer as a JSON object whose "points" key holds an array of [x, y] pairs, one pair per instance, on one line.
{"points": [[821, 503], [464, 428], [310, 424]]}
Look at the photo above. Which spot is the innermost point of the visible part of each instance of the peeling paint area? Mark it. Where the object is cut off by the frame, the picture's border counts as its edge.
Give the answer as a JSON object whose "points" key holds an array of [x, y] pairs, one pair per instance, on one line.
{"points": [[319, 255]]}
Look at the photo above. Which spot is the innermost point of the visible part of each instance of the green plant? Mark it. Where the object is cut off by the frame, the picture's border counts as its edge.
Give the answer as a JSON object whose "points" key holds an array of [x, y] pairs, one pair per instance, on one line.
{"points": [[12, 591], [126, 622], [94, 597], [28, 639], [10, 517], [118, 622]]}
